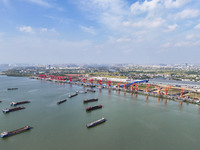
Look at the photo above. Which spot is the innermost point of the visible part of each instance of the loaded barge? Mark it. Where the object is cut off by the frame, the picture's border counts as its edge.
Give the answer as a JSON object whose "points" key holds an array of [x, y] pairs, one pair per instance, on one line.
{"points": [[93, 108], [62, 101], [90, 100], [6, 110], [91, 90], [96, 122], [18, 103], [73, 95], [6, 134], [12, 88]]}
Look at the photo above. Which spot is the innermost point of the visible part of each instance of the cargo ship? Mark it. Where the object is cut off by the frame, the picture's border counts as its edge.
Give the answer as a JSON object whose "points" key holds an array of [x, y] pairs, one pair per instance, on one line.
{"points": [[18, 103], [12, 88], [90, 100], [62, 101], [93, 108], [6, 134], [102, 120], [73, 95], [91, 90], [6, 110]]}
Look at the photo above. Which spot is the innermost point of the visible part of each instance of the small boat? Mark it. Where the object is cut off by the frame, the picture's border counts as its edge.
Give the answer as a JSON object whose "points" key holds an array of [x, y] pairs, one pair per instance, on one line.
{"points": [[90, 100], [6, 110], [96, 122], [91, 90], [0, 101], [6, 134], [18, 103], [62, 101], [12, 88], [82, 92], [73, 95], [94, 107]]}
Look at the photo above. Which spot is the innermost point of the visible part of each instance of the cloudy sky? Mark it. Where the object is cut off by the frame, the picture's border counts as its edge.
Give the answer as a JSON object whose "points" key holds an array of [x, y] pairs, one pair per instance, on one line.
{"points": [[100, 31]]}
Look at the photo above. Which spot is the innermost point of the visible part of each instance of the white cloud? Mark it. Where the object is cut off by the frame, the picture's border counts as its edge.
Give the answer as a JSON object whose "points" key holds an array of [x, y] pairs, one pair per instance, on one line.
{"points": [[38, 31], [123, 40], [182, 44], [193, 36], [197, 26], [187, 13], [146, 23], [41, 3], [90, 30], [175, 3], [166, 45], [171, 28], [190, 36], [137, 8], [46, 30], [27, 29], [43, 29]]}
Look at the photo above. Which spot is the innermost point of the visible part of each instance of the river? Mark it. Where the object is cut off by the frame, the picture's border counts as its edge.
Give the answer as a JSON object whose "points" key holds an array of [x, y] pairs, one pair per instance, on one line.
{"points": [[134, 122]]}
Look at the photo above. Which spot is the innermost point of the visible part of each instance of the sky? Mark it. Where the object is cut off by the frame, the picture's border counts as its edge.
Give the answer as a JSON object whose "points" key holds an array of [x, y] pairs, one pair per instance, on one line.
{"points": [[99, 31]]}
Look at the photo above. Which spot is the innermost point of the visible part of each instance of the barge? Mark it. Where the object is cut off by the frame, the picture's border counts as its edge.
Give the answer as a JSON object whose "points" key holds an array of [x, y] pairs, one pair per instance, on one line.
{"points": [[94, 107], [19, 103], [6, 134], [82, 92], [62, 101], [102, 120], [91, 90], [12, 88], [90, 100], [75, 94], [6, 110]]}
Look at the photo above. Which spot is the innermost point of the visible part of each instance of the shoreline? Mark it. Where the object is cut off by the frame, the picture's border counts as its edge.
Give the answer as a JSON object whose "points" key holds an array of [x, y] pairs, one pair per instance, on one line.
{"points": [[174, 97]]}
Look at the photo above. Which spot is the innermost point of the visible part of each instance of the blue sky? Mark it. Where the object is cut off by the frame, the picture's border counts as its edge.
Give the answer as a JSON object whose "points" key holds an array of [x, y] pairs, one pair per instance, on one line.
{"points": [[99, 31]]}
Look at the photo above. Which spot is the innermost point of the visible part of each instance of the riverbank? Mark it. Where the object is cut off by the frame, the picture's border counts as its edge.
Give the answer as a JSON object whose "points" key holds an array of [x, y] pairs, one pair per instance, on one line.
{"points": [[155, 90]]}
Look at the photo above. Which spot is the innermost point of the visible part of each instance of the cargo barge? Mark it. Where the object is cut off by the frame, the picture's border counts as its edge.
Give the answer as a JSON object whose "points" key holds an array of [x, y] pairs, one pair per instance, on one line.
{"points": [[91, 90], [75, 94], [19, 103], [82, 92], [6, 134], [90, 100], [12, 88], [62, 101], [6, 110], [94, 107], [102, 120]]}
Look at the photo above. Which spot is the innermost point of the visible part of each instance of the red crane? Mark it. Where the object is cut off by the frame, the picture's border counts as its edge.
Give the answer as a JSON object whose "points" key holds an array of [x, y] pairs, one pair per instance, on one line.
{"points": [[91, 81], [181, 93], [100, 82], [125, 85], [109, 83], [83, 80], [118, 85], [147, 88], [131, 87], [136, 87]]}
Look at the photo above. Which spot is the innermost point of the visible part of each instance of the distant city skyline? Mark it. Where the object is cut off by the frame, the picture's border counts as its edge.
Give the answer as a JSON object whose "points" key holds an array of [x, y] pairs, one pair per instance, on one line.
{"points": [[99, 31]]}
